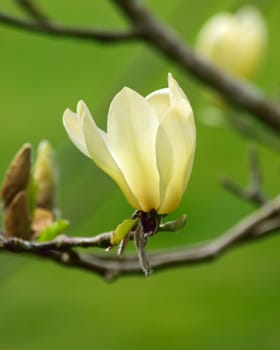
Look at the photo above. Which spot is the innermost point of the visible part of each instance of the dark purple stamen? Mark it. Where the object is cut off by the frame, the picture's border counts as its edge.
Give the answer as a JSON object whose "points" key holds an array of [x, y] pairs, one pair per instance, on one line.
{"points": [[150, 221]]}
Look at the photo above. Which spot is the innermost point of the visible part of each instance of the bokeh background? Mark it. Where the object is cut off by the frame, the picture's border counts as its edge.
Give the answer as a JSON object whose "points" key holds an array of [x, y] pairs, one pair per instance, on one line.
{"points": [[232, 303]]}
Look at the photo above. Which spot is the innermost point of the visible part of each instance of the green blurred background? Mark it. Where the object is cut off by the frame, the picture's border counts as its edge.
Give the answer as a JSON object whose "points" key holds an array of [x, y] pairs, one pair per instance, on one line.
{"points": [[232, 303]]}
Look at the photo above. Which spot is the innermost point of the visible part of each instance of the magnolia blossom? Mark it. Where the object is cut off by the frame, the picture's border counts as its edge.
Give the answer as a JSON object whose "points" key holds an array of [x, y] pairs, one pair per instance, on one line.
{"points": [[235, 43], [149, 146]]}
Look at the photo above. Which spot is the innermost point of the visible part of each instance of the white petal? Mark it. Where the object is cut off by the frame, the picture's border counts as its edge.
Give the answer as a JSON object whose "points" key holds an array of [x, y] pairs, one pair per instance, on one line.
{"points": [[175, 152], [160, 102], [72, 124], [132, 129], [177, 94], [97, 145]]}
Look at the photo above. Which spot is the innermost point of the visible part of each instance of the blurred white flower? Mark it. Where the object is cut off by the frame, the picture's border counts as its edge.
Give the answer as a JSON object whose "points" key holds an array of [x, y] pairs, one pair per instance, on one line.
{"points": [[149, 146], [234, 43]]}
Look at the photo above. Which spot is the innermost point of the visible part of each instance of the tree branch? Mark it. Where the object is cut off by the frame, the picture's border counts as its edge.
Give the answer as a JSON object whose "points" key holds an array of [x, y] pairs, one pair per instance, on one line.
{"points": [[55, 29], [257, 225]]}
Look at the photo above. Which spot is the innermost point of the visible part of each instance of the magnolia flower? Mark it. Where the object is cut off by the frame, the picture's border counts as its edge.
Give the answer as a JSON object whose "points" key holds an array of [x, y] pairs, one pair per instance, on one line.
{"points": [[235, 43], [149, 146]]}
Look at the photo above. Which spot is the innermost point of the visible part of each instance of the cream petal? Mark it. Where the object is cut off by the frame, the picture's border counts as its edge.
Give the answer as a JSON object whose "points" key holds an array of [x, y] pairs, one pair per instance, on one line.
{"points": [[177, 94], [175, 152], [132, 129], [72, 124], [160, 102], [99, 151], [164, 162]]}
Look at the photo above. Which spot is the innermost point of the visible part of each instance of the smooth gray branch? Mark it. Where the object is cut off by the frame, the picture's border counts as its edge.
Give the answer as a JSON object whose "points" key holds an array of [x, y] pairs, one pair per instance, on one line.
{"points": [[61, 243], [259, 224]]}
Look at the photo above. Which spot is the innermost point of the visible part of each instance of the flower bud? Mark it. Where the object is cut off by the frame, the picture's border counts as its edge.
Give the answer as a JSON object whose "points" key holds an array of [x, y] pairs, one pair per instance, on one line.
{"points": [[17, 176], [234, 43], [44, 174], [16, 214]]}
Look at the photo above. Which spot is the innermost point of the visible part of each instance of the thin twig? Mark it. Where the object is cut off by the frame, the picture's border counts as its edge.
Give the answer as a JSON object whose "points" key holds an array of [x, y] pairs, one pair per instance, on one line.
{"points": [[33, 10], [255, 172], [55, 29], [253, 192]]}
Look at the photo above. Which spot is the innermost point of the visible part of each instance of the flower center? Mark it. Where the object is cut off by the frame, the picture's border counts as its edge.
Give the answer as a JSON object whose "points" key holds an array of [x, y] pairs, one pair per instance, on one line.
{"points": [[150, 221]]}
